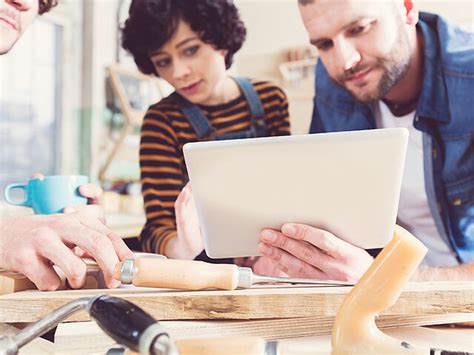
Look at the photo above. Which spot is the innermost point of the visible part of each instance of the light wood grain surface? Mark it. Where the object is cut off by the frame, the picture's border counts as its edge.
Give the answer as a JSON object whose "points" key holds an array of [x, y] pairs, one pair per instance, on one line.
{"points": [[87, 337], [418, 299]]}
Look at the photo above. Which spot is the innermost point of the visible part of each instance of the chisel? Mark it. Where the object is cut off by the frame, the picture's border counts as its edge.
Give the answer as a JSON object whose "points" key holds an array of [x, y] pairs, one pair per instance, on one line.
{"points": [[198, 275]]}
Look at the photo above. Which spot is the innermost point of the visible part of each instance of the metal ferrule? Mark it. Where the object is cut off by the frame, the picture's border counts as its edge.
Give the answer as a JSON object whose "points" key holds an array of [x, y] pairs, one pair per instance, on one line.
{"points": [[164, 345], [126, 273], [245, 277], [156, 341]]}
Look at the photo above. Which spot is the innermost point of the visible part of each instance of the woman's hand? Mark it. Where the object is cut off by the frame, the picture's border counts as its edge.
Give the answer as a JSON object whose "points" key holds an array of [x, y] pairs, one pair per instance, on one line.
{"points": [[189, 242]]}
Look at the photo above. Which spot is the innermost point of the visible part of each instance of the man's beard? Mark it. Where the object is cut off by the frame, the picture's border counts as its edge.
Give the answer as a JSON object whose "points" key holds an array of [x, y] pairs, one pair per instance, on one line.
{"points": [[394, 66]]}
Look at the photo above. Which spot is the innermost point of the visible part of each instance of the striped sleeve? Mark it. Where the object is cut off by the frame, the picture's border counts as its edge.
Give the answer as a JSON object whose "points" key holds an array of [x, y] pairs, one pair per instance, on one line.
{"points": [[162, 179], [275, 104]]}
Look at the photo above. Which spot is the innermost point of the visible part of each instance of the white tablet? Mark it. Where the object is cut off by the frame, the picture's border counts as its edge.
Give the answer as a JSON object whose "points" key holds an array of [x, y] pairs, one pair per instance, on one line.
{"points": [[346, 182]]}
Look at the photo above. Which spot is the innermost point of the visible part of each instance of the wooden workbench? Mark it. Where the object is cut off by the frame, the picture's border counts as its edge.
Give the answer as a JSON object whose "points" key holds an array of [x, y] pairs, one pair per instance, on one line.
{"points": [[264, 302], [271, 312], [87, 338]]}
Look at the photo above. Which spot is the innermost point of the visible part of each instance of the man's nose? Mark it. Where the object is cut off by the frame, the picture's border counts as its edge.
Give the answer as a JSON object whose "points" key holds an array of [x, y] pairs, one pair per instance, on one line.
{"points": [[22, 5], [347, 55]]}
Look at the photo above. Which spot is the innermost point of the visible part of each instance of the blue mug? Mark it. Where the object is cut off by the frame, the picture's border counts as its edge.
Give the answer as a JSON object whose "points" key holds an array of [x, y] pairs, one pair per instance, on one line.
{"points": [[50, 194]]}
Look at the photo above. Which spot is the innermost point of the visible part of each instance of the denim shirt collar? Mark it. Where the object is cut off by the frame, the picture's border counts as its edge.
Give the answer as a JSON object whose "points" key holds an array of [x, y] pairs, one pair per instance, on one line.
{"points": [[433, 103]]}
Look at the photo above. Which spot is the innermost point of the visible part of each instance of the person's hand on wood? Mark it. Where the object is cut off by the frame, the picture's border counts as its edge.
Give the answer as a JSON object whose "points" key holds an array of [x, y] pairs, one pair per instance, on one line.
{"points": [[31, 245]]}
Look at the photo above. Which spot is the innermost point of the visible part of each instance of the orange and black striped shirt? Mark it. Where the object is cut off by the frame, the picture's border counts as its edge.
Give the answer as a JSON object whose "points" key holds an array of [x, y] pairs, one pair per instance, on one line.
{"points": [[164, 132]]}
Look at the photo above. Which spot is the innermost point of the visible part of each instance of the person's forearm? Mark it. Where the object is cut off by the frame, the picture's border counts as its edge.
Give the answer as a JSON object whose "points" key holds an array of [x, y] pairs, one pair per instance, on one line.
{"points": [[463, 272]]}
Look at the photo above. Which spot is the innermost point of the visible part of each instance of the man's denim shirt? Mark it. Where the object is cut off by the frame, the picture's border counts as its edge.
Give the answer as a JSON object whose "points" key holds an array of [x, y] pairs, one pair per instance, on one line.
{"points": [[445, 115]]}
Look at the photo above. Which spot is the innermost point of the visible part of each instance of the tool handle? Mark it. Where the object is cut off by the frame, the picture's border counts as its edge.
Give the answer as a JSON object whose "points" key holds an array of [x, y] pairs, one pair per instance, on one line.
{"points": [[121, 320], [184, 274], [219, 346]]}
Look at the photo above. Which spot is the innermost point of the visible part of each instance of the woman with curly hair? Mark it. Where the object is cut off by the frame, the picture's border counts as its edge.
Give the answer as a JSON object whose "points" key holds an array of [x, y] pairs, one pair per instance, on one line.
{"points": [[190, 44]]}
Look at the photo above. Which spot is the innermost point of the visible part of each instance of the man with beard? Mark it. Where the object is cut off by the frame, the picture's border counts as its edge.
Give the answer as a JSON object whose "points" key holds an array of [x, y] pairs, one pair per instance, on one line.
{"points": [[384, 64], [32, 244]]}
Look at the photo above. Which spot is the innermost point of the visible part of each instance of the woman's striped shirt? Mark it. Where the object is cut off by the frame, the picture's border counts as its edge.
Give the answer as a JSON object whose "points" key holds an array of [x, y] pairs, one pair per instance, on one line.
{"points": [[164, 132]]}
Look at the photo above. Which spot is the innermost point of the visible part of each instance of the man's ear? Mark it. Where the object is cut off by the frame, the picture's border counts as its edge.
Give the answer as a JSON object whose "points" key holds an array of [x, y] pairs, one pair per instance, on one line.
{"points": [[411, 12]]}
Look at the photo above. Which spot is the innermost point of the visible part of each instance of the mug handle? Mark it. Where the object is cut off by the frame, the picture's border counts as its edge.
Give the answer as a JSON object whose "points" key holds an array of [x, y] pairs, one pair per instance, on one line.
{"points": [[23, 187]]}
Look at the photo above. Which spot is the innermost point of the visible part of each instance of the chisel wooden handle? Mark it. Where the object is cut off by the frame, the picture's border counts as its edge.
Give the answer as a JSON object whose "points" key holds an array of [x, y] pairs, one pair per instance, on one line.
{"points": [[181, 274]]}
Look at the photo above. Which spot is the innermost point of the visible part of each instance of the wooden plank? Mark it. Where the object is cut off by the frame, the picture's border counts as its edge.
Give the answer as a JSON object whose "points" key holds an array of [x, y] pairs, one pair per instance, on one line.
{"points": [[11, 282], [263, 302], [87, 337]]}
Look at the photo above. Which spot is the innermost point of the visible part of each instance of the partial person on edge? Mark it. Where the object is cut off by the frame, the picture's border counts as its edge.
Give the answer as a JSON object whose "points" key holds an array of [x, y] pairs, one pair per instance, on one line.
{"points": [[31, 245]]}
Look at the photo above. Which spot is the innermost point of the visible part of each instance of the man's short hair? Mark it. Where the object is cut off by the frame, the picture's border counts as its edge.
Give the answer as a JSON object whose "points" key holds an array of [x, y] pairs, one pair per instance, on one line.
{"points": [[46, 5]]}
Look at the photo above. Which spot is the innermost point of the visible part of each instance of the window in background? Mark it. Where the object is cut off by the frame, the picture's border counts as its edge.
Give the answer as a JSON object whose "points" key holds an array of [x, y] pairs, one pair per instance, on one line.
{"points": [[31, 104]]}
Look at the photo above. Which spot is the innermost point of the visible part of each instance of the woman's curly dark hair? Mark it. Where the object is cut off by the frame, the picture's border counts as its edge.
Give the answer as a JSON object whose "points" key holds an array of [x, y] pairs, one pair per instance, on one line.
{"points": [[46, 5], [152, 23]]}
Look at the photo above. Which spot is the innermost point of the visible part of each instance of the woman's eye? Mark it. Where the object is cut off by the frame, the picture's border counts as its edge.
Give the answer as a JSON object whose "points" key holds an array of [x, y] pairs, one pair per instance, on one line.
{"points": [[191, 50], [161, 63]]}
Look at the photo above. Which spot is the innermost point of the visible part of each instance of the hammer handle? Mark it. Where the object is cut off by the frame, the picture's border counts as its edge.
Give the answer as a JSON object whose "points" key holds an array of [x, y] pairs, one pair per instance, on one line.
{"points": [[184, 274]]}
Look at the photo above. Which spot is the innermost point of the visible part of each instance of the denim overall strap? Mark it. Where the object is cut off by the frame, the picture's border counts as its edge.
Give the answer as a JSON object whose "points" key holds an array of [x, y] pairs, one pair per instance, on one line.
{"points": [[257, 113], [193, 113], [251, 96], [203, 127]]}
